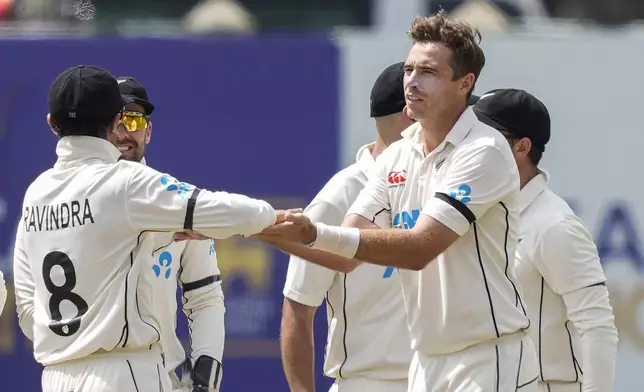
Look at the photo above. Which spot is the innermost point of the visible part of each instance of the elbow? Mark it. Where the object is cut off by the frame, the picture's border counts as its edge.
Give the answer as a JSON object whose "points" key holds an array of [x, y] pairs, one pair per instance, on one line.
{"points": [[418, 262], [348, 266], [296, 317]]}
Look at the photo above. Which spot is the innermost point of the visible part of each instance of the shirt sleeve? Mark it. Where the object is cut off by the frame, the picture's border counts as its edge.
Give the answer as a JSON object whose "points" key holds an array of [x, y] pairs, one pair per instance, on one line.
{"points": [[24, 286], [157, 201], [307, 283], [568, 260], [3, 292], [374, 197], [475, 179], [567, 257], [203, 299]]}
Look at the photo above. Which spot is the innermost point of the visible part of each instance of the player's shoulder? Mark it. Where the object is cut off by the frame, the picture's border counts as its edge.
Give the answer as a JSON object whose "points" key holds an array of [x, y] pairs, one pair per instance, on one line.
{"points": [[344, 186], [137, 174], [404, 144], [550, 213], [483, 137]]}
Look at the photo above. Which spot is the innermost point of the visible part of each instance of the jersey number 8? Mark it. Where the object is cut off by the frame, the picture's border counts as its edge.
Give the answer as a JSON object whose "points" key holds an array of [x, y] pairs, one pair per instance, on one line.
{"points": [[60, 293]]}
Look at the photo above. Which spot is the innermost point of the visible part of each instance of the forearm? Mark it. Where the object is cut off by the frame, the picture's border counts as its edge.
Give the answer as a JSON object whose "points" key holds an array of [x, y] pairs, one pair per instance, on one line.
{"points": [[205, 312], [392, 248], [220, 215], [409, 249], [590, 312], [319, 257], [26, 320], [297, 351], [386, 247]]}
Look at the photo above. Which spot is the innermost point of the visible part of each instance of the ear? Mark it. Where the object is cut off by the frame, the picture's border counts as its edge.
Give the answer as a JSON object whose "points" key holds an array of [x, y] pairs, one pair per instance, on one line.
{"points": [[522, 146], [112, 127], [51, 124], [467, 83], [148, 133]]}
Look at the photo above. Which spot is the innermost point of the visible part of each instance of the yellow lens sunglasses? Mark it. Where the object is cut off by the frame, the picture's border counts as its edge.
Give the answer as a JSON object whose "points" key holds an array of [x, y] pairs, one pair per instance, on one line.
{"points": [[134, 121]]}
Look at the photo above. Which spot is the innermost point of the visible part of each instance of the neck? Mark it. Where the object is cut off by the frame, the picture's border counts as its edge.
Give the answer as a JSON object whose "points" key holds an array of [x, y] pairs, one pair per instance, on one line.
{"points": [[527, 173], [387, 134], [436, 128], [380, 146]]}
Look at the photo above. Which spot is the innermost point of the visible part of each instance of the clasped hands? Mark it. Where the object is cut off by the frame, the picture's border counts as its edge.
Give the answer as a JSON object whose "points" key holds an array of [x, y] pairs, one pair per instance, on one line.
{"points": [[290, 226]]}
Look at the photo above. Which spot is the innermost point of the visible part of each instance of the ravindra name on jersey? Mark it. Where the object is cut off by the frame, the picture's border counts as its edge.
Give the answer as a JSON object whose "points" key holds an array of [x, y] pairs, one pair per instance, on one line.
{"points": [[79, 289]]}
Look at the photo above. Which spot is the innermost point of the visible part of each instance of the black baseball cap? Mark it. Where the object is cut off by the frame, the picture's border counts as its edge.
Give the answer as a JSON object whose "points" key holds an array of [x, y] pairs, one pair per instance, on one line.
{"points": [[388, 92], [473, 100], [515, 112], [134, 90], [84, 93]]}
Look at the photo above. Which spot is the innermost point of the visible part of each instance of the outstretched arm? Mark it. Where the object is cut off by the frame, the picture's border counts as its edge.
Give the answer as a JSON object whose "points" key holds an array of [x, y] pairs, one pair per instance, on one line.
{"points": [[475, 180]]}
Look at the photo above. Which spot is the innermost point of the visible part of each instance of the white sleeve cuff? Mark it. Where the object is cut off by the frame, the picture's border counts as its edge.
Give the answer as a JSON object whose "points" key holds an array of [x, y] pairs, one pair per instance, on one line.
{"points": [[444, 211], [301, 298], [590, 312]]}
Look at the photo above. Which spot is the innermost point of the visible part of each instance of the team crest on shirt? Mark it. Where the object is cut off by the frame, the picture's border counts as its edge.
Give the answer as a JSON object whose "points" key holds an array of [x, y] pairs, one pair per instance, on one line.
{"points": [[172, 185], [397, 178], [462, 194]]}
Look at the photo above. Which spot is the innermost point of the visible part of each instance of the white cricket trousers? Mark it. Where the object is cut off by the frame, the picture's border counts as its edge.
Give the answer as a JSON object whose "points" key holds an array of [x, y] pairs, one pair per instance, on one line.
{"points": [[131, 372], [508, 364], [368, 385], [559, 387]]}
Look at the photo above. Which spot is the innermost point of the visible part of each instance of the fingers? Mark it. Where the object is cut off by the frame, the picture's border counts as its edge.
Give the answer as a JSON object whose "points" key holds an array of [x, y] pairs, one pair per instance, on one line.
{"points": [[275, 229], [189, 235], [298, 219], [178, 237]]}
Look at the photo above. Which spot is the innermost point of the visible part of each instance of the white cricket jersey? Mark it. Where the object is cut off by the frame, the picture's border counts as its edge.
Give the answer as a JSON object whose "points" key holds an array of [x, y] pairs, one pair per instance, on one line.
{"points": [[3, 292], [368, 335], [556, 255], [191, 265], [80, 288], [469, 183]]}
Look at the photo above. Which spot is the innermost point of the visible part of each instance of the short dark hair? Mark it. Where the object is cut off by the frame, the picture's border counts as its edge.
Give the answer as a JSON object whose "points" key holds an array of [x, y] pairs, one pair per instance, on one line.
{"points": [[95, 128], [459, 36], [535, 155]]}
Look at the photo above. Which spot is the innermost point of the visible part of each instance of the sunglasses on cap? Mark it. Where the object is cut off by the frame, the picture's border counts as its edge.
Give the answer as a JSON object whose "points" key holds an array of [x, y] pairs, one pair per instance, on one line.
{"points": [[134, 121]]}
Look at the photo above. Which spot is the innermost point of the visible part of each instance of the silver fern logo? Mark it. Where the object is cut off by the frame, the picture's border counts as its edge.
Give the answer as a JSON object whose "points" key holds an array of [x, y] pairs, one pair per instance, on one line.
{"points": [[84, 10]]}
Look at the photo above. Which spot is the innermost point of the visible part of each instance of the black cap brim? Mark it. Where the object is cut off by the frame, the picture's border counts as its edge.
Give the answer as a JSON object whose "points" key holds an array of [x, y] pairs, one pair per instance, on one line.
{"points": [[473, 100], [146, 105], [126, 99]]}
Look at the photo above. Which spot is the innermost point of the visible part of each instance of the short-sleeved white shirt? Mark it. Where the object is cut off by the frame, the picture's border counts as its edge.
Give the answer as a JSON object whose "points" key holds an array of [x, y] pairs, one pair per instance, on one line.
{"points": [[368, 335], [81, 262], [469, 183], [556, 256]]}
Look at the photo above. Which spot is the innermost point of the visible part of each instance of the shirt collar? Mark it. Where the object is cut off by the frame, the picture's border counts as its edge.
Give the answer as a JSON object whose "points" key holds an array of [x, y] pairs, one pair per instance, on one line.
{"points": [[143, 162], [455, 136], [364, 159], [532, 189], [73, 148]]}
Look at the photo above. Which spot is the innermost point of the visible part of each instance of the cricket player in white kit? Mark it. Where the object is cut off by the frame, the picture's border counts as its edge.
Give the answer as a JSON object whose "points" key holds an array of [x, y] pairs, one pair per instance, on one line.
{"points": [[557, 264], [3, 292], [368, 346], [83, 292], [192, 264], [451, 187]]}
